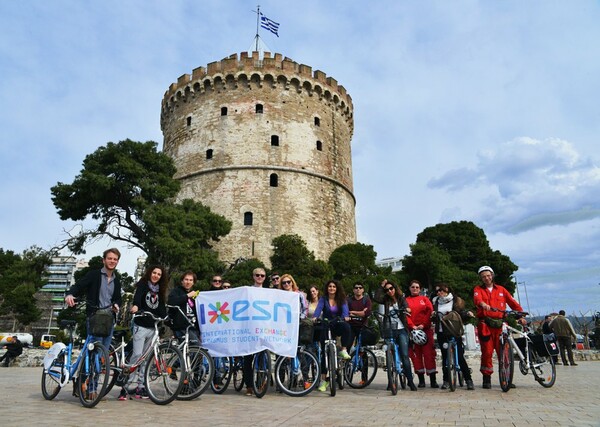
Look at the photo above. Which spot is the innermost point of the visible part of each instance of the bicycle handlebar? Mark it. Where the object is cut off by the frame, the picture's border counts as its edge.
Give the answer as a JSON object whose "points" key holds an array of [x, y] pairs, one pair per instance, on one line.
{"points": [[514, 313]]}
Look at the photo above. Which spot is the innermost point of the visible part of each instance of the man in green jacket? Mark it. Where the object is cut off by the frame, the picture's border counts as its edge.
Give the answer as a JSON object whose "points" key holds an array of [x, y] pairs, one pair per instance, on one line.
{"points": [[564, 331]]}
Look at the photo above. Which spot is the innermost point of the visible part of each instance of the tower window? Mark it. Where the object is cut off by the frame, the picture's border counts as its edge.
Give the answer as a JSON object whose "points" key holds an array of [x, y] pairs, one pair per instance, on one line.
{"points": [[259, 108], [317, 121], [223, 111], [247, 218], [275, 140], [209, 154], [319, 146], [273, 180], [189, 120]]}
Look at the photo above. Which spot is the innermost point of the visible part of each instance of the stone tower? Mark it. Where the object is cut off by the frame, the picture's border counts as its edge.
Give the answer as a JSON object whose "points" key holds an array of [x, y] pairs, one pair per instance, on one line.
{"points": [[264, 142]]}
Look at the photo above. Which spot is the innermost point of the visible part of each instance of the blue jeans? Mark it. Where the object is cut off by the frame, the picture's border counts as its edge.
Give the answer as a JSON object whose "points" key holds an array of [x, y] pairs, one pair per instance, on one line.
{"points": [[401, 338]]}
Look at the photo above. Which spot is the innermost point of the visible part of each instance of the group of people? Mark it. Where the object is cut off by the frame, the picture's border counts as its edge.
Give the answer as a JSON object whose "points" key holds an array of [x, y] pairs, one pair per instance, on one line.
{"points": [[563, 330], [414, 314]]}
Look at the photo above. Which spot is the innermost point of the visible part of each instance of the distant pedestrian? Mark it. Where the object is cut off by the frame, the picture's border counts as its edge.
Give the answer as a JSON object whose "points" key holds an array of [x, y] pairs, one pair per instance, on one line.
{"points": [[13, 349], [547, 330], [564, 331]]}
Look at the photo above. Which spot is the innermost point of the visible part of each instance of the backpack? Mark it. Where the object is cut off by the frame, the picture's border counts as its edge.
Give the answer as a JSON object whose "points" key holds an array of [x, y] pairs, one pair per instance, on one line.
{"points": [[452, 324]]}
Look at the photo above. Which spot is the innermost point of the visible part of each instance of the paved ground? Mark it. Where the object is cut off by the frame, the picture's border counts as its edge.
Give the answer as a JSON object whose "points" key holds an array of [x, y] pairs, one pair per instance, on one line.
{"points": [[573, 401]]}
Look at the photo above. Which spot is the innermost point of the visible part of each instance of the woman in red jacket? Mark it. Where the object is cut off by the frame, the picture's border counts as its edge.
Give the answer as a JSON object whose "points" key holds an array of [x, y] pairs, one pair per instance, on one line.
{"points": [[422, 355]]}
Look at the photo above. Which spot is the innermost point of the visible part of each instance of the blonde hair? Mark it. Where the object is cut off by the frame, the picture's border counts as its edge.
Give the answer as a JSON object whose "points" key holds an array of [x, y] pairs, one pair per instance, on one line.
{"points": [[285, 277]]}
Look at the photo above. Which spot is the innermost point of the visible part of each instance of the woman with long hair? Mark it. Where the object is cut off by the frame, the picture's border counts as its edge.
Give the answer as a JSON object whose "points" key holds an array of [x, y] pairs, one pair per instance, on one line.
{"points": [[395, 305], [150, 296], [312, 297], [287, 283]]}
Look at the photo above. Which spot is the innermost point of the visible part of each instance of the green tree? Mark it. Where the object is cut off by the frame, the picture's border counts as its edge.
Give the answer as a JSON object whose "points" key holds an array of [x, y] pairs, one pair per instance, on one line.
{"points": [[355, 262], [128, 188], [452, 253], [21, 276], [291, 256]]}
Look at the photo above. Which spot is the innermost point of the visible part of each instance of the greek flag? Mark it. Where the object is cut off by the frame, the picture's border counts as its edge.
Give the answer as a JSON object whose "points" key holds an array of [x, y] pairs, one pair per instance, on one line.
{"points": [[269, 24]]}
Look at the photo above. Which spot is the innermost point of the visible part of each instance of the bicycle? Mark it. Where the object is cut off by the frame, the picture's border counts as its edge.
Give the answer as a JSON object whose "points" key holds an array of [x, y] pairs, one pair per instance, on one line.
{"points": [[162, 361], [237, 373], [363, 361], [298, 375], [261, 372], [454, 372], [533, 355], [395, 372], [90, 371], [334, 367], [223, 373], [199, 365]]}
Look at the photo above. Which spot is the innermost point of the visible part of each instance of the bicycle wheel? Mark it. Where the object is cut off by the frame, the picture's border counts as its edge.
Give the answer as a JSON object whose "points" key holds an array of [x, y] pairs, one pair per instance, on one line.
{"points": [[54, 377], [391, 370], [94, 372], [261, 373], [451, 362], [297, 376], [115, 370], [461, 379], [331, 356], [223, 374], [238, 375], [200, 370], [402, 380], [361, 369], [165, 373], [543, 369], [506, 364]]}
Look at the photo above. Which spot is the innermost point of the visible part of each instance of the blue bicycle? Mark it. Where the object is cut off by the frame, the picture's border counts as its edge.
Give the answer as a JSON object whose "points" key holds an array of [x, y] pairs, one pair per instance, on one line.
{"points": [[452, 365], [395, 373], [361, 369], [90, 371]]}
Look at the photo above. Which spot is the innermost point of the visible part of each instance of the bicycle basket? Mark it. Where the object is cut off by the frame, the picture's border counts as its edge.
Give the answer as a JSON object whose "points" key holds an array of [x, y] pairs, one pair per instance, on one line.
{"points": [[368, 336], [306, 332], [388, 329], [101, 323]]}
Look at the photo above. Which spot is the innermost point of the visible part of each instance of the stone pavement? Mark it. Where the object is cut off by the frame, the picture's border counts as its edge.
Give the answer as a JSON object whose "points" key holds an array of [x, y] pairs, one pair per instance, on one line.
{"points": [[573, 401]]}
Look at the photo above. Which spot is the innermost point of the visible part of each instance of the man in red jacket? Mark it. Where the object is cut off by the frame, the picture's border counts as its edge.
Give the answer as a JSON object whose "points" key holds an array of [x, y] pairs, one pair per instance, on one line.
{"points": [[487, 296]]}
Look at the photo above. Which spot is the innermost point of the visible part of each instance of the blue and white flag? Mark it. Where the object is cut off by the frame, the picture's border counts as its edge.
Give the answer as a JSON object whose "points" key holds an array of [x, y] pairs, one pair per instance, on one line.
{"points": [[269, 24], [246, 320]]}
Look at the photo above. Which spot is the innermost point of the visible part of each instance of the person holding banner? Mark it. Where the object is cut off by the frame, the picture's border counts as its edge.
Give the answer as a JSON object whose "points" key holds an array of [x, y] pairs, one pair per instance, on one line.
{"points": [[183, 296], [259, 275], [287, 283], [334, 307]]}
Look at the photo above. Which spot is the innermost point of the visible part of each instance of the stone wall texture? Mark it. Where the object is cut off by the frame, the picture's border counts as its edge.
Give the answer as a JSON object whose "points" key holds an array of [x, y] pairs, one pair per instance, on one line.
{"points": [[269, 137]]}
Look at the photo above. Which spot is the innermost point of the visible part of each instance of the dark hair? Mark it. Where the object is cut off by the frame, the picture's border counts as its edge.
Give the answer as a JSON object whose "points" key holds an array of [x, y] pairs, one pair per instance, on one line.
{"points": [[113, 250], [561, 312], [387, 298], [189, 273], [308, 295], [340, 295], [163, 282], [444, 287]]}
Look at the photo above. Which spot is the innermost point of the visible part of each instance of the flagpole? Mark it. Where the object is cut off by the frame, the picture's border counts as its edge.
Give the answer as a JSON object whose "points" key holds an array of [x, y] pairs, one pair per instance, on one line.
{"points": [[257, 26]]}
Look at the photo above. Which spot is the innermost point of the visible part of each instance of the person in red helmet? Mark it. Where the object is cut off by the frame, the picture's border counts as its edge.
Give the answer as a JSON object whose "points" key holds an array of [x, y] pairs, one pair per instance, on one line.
{"points": [[487, 296]]}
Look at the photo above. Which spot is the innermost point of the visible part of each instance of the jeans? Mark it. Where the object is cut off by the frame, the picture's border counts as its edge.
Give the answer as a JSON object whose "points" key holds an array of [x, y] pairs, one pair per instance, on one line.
{"points": [[401, 338]]}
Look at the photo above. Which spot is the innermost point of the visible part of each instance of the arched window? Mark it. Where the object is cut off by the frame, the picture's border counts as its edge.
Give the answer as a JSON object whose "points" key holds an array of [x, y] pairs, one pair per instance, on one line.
{"points": [[223, 111], [273, 180], [317, 121], [209, 154], [275, 140], [189, 120], [259, 108], [247, 218], [319, 146]]}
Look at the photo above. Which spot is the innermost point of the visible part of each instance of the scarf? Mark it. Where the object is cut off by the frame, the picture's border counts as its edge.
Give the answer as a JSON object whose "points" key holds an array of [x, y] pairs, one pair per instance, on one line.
{"points": [[153, 288], [444, 304]]}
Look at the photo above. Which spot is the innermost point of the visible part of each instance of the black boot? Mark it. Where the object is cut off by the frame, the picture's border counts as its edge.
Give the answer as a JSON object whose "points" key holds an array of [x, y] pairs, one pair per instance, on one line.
{"points": [[412, 385], [421, 380], [487, 381], [433, 381]]}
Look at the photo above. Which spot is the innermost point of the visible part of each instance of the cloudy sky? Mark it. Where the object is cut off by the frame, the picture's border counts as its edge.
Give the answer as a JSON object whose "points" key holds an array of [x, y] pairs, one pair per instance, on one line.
{"points": [[484, 111]]}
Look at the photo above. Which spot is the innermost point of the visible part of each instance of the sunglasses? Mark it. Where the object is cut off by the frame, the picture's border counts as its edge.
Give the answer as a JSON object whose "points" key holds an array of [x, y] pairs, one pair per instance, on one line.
{"points": [[286, 282], [389, 289], [438, 291], [259, 275], [358, 287], [226, 287], [274, 278], [217, 281], [414, 287]]}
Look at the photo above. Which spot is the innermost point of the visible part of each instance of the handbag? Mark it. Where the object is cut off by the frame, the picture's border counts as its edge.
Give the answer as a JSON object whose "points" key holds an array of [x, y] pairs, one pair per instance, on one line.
{"points": [[101, 323]]}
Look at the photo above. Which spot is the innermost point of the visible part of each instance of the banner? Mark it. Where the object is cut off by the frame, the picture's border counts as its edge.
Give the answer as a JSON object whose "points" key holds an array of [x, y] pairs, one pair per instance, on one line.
{"points": [[246, 320]]}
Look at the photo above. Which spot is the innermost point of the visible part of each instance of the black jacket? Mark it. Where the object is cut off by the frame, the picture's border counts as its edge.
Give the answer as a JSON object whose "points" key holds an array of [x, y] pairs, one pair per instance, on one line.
{"points": [[147, 301], [178, 297], [89, 285]]}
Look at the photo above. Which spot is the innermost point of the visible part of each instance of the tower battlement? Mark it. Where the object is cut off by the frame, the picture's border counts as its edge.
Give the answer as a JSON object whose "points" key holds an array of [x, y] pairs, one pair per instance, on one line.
{"points": [[247, 70]]}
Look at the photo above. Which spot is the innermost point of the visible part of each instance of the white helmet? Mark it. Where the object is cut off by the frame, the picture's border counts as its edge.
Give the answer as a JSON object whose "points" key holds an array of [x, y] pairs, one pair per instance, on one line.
{"points": [[485, 268], [418, 336]]}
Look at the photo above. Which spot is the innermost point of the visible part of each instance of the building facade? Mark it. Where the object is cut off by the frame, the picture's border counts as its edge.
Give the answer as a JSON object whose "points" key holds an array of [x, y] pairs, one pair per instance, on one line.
{"points": [[265, 142]]}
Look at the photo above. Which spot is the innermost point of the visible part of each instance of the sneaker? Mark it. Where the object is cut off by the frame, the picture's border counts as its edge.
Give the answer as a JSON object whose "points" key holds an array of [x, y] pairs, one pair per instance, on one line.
{"points": [[249, 391], [573, 364], [344, 355], [470, 385], [445, 385], [141, 393], [323, 386], [123, 394], [307, 385]]}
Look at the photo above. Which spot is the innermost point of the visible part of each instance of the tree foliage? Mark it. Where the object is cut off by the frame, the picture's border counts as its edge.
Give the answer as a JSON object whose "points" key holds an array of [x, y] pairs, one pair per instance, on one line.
{"points": [[128, 188], [452, 253], [355, 262], [21, 276], [291, 256]]}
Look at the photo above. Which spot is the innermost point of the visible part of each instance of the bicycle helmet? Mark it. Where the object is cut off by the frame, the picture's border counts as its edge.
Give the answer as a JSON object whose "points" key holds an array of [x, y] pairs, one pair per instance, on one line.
{"points": [[418, 336], [485, 268]]}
